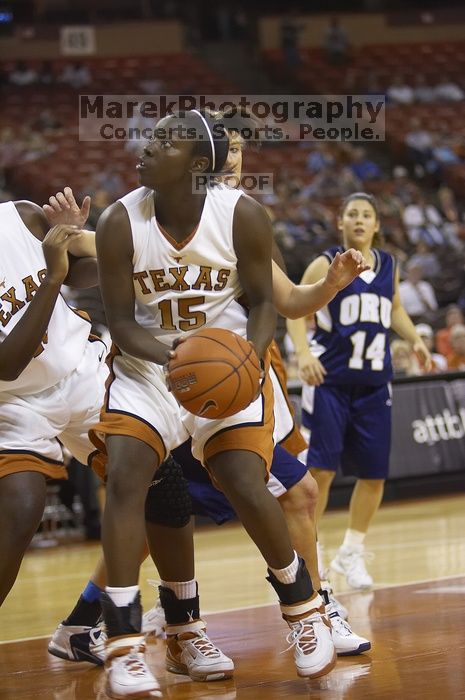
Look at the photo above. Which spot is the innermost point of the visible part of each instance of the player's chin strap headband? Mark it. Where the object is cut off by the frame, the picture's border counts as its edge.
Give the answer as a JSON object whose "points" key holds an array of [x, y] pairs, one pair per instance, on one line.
{"points": [[210, 136]]}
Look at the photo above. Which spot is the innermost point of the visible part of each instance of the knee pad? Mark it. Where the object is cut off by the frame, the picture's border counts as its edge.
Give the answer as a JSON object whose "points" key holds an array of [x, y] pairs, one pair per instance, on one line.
{"points": [[168, 500]]}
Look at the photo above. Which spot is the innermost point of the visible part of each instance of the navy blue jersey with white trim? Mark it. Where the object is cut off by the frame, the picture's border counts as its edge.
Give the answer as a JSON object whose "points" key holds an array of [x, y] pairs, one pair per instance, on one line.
{"points": [[352, 336]]}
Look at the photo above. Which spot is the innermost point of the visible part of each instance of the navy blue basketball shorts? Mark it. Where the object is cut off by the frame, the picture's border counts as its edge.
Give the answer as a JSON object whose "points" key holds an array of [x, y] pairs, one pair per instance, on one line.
{"points": [[286, 471], [350, 427]]}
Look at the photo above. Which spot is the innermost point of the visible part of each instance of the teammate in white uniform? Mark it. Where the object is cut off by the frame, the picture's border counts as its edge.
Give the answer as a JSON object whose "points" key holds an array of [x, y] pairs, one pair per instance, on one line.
{"points": [[172, 261], [289, 482], [48, 369]]}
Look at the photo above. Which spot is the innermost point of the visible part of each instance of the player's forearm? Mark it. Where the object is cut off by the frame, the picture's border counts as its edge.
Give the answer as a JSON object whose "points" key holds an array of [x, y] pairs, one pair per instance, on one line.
{"points": [[305, 299], [298, 333], [261, 326], [83, 273], [25, 340], [135, 340], [84, 247]]}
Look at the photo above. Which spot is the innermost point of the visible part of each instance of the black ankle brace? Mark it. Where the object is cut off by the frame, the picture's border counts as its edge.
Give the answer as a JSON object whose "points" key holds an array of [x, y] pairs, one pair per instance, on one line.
{"points": [[124, 620], [292, 593], [178, 611], [325, 595]]}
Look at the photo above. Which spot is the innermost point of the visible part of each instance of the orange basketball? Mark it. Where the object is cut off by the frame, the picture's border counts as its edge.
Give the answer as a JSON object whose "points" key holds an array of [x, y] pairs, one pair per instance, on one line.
{"points": [[215, 373]]}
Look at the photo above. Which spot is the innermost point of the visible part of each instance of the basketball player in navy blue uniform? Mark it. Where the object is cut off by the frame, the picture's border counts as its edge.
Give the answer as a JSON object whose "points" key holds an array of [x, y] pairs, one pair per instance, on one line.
{"points": [[346, 398]]}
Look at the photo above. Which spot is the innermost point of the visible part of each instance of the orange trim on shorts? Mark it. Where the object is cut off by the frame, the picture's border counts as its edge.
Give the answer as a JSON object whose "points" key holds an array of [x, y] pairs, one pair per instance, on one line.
{"points": [[257, 438], [15, 462], [294, 442], [114, 423], [120, 423]]}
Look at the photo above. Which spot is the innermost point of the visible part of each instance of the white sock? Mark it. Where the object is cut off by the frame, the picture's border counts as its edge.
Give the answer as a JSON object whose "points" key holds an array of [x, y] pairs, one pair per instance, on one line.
{"points": [[354, 538], [122, 596], [289, 573], [183, 590], [320, 560]]}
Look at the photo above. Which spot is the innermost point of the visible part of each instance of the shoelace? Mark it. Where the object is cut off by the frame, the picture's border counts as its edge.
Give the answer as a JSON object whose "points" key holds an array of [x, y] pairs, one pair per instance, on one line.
{"points": [[340, 625], [205, 646], [98, 637], [134, 662], [301, 630]]}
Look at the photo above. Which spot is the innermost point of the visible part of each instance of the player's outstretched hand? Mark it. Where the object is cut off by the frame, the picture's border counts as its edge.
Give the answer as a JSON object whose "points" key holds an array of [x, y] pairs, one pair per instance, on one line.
{"points": [[311, 370], [423, 354], [63, 209], [55, 248], [345, 268]]}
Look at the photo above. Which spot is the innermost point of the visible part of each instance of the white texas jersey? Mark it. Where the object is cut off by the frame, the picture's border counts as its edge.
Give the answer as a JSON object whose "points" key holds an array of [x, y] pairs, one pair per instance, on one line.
{"points": [[22, 268], [181, 287]]}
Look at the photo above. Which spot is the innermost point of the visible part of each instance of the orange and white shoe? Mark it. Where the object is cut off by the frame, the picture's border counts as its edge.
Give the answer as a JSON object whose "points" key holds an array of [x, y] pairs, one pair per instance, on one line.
{"points": [[192, 653]]}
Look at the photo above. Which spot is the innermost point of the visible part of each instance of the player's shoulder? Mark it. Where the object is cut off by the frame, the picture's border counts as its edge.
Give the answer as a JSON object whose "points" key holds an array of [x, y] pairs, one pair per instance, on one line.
{"points": [[116, 214], [383, 258], [33, 217], [247, 206]]}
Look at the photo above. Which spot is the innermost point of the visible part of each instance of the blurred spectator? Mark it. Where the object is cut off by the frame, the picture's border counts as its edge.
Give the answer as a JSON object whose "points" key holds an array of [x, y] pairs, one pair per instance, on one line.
{"points": [[439, 362], [47, 121], [363, 167], [290, 29], [404, 362], [454, 316], [45, 75], [151, 86], [76, 75], [422, 221], [417, 295], [456, 358], [11, 148], [399, 92], [372, 85], [419, 142], [448, 91], [22, 75], [318, 158], [334, 182], [426, 260], [453, 215], [100, 201], [336, 43], [422, 91], [35, 145], [109, 181]]}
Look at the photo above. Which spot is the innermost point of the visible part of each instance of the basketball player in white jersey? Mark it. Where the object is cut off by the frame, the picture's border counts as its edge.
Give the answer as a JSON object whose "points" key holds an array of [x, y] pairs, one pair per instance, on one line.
{"points": [[49, 369], [171, 261], [75, 639], [293, 486]]}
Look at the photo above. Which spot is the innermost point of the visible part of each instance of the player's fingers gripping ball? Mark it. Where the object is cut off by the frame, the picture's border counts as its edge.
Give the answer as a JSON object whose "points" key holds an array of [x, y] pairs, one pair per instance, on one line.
{"points": [[214, 374]]}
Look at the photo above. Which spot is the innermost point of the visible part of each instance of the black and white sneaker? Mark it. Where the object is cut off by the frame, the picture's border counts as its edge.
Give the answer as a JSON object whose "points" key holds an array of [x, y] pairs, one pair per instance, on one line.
{"points": [[79, 643]]}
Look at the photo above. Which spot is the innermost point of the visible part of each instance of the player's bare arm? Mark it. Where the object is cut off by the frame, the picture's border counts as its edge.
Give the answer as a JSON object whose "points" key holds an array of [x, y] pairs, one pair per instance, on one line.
{"points": [[402, 324], [82, 271], [294, 301], [252, 243], [114, 252], [311, 370], [63, 209], [20, 346]]}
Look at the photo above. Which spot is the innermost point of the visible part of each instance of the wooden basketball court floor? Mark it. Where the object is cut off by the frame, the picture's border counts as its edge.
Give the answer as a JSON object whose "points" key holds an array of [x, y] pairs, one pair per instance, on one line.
{"points": [[415, 616]]}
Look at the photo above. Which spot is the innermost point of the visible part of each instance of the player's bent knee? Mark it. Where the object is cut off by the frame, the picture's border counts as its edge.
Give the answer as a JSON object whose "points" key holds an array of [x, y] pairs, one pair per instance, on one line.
{"points": [[168, 501], [302, 497]]}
